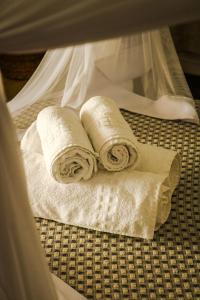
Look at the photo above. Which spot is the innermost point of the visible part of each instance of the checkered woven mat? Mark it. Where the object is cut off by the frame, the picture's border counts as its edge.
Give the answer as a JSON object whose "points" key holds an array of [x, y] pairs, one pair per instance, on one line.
{"points": [[106, 266]]}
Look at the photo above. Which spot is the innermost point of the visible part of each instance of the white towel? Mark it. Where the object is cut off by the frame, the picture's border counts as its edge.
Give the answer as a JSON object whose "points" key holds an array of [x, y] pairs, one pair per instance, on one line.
{"points": [[68, 153], [133, 202], [109, 133]]}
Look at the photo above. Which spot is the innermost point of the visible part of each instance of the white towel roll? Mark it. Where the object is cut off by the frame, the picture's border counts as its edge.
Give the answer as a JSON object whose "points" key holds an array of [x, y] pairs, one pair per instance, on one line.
{"points": [[67, 151], [109, 133]]}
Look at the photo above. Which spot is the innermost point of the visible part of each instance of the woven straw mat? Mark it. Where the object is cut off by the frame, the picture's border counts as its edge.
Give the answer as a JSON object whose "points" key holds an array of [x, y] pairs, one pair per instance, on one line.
{"points": [[106, 266]]}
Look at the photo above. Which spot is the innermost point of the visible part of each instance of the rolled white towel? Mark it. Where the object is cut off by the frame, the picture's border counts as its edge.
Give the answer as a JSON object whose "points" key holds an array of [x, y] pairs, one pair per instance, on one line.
{"points": [[109, 133], [67, 151]]}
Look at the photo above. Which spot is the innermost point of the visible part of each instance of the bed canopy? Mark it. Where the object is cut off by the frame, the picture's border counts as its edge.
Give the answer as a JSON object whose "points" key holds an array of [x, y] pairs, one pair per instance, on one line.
{"points": [[141, 72], [31, 25]]}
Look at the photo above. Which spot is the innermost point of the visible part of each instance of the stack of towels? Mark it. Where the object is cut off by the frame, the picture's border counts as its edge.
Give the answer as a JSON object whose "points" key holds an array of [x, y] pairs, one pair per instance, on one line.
{"points": [[91, 171]]}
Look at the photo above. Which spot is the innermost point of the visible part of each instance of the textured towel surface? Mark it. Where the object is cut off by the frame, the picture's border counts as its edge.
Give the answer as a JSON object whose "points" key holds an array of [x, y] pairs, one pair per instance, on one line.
{"points": [[107, 266], [67, 151], [130, 202], [109, 133]]}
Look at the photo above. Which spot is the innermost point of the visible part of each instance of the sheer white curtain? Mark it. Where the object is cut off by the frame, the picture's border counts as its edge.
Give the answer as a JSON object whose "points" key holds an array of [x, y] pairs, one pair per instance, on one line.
{"points": [[29, 25], [141, 72]]}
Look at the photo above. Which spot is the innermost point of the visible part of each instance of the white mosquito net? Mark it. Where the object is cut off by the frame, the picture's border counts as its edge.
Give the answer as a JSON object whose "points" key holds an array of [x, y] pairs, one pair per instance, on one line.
{"points": [[141, 72]]}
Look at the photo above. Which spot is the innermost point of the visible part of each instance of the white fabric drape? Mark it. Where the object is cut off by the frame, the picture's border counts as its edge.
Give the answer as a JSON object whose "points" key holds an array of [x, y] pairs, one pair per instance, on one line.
{"points": [[27, 25], [141, 72]]}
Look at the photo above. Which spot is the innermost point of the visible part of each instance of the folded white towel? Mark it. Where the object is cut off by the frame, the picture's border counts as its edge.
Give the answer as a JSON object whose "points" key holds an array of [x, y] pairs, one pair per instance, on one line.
{"points": [[133, 202], [67, 151], [109, 133]]}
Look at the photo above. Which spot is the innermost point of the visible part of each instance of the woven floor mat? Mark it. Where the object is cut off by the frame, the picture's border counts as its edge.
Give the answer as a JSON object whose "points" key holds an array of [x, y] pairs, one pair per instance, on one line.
{"points": [[106, 266]]}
